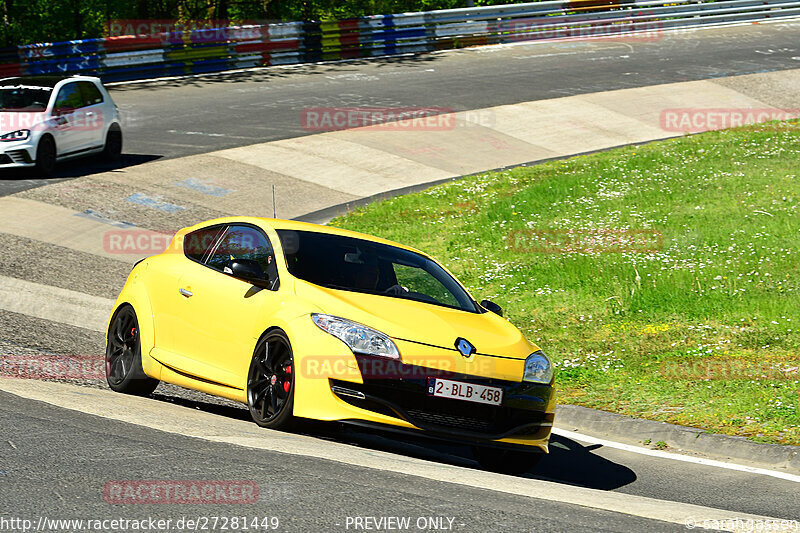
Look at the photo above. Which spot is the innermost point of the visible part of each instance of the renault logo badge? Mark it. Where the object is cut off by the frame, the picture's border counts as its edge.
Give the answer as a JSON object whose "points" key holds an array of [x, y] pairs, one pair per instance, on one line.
{"points": [[465, 347]]}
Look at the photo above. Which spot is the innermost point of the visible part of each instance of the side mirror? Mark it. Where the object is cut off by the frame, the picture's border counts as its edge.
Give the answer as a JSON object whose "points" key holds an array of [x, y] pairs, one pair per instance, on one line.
{"points": [[493, 307], [248, 270]]}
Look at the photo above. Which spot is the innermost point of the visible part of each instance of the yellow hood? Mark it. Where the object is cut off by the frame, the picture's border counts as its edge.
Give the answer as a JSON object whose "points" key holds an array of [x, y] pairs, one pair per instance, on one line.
{"points": [[421, 322]]}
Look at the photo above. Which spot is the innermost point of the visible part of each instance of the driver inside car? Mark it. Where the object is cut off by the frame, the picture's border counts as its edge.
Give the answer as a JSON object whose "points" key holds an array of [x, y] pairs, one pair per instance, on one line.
{"points": [[366, 277]]}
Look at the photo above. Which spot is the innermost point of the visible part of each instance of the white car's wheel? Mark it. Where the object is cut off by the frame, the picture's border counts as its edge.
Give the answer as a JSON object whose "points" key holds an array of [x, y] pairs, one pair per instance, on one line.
{"points": [[46, 156], [113, 147]]}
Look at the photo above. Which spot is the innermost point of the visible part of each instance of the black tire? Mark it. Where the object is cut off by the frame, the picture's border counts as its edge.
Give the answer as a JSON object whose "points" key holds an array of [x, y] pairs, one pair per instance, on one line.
{"points": [[271, 383], [515, 462], [113, 147], [124, 355], [45, 156]]}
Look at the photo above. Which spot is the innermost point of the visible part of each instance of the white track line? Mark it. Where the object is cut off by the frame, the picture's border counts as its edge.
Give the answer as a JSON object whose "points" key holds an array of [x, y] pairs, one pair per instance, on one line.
{"points": [[674, 456]]}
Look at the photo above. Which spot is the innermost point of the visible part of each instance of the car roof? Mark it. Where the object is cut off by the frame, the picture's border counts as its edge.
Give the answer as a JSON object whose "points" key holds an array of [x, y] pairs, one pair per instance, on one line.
{"points": [[37, 81], [281, 224], [41, 81]]}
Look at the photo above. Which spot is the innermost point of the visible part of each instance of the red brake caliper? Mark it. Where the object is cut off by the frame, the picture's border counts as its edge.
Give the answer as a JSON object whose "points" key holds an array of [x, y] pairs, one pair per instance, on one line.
{"points": [[286, 384]]}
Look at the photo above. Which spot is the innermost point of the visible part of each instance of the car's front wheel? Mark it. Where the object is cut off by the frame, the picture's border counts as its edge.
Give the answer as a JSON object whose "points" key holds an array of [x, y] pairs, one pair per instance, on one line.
{"points": [[113, 147], [124, 355], [270, 382], [45, 156], [516, 462]]}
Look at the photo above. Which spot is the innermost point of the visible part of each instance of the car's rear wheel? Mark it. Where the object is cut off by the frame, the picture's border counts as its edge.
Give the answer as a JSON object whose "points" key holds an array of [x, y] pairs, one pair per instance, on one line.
{"points": [[516, 462], [113, 147], [270, 382], [45, 156], [124, 355]]}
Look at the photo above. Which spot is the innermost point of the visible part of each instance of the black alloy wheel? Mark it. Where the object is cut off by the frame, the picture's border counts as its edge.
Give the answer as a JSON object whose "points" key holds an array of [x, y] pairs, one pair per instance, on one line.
{"points": [[124, 355], [270, 382]]}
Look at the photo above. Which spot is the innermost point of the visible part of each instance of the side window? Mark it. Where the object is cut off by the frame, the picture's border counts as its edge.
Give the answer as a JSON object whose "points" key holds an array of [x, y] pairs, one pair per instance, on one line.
{"points": [[91, 94], [69, 97], [244, 242], [197, 243]]}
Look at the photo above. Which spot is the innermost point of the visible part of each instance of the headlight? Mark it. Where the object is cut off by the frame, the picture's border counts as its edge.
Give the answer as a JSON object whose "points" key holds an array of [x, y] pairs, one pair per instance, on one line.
{"points": [[19, 135], [538, 368], [359, 338]]}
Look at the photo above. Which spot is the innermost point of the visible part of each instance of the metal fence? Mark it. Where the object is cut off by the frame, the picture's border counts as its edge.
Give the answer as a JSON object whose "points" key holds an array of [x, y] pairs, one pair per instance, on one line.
{"points": [[213, 50]]}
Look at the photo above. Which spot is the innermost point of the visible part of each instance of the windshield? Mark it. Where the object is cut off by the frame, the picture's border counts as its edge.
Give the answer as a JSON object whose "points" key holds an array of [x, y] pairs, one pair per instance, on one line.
{"points": [[357, 265], [24, 98]]}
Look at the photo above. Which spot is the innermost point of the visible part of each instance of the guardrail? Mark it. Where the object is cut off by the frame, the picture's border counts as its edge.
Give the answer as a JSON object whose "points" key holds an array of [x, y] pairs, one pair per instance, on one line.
{"points": [[219, 49]]}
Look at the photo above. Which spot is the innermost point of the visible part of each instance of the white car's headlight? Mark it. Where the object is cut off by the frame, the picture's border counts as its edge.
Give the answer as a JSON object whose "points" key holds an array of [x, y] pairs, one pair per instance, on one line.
{"points": [[538, 368], [19, 135], [359, 338]]}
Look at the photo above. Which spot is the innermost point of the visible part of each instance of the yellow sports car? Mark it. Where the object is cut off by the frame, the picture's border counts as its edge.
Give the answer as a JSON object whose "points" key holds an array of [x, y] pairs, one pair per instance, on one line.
{"points": [[298, 320]]}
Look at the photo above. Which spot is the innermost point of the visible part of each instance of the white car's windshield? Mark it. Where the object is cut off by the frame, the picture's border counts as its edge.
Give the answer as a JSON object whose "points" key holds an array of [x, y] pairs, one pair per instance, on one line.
{"points": [[358, 265], [21, 98]]}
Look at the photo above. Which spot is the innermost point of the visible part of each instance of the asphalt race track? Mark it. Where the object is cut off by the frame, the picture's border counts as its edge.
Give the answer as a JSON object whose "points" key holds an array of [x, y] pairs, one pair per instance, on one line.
{"points": [[55, 461], [304, 494], [196, 115]]}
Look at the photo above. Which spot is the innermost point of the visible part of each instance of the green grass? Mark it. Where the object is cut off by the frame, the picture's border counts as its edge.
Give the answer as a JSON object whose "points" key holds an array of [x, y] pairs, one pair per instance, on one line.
{"points": [[694, 321]]}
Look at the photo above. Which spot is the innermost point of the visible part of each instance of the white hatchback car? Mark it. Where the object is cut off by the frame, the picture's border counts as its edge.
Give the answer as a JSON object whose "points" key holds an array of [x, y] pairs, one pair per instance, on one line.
{"points": [[46, 119]]}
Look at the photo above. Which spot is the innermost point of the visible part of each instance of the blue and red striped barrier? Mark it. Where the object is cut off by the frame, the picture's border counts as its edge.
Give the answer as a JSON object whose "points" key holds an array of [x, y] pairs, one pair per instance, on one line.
{"points": [[200, 51]]}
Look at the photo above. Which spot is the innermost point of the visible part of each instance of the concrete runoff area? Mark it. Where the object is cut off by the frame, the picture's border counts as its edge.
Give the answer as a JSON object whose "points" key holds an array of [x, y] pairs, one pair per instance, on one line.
{"points": [[317, 171]]}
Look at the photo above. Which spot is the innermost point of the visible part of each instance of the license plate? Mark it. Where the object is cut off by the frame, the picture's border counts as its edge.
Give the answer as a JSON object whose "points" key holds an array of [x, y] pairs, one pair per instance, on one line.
{"points": [[470, 392]]}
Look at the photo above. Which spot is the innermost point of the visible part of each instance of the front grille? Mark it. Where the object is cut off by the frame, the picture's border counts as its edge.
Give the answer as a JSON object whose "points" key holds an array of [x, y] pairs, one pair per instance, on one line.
{"points": [[5, 160], [423, 410], [452, 421]]}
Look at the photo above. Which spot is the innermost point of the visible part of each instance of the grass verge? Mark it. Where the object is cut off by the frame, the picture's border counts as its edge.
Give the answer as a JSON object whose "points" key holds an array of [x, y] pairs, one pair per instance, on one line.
{"points": [[663, 280]]}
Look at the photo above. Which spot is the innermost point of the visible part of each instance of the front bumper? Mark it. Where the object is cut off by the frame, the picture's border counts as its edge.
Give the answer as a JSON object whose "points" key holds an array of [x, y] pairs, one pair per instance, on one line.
{"points": [[395, 393], [521, 419], [17, 154]]}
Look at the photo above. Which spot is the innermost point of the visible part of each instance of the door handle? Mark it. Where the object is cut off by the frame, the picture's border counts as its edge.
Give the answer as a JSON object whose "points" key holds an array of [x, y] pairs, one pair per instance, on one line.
{"points": [[185, 293]]}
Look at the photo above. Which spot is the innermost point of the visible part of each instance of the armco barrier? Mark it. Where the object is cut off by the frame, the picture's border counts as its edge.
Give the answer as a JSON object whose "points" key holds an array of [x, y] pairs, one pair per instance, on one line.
{"points": [[213, 50]]}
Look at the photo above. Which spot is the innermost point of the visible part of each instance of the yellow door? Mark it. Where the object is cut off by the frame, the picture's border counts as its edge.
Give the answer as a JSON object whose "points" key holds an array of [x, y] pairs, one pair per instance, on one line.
{"points": [[217, 326], [167, 303], [169, 299]]}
